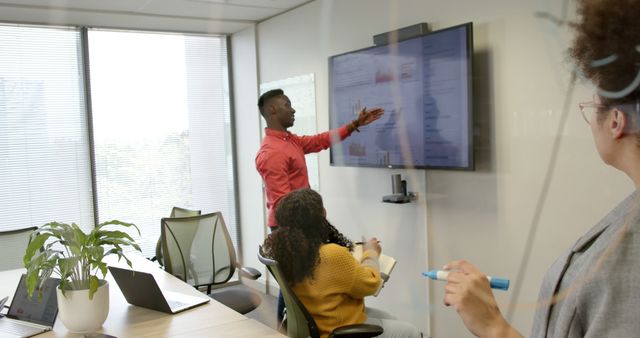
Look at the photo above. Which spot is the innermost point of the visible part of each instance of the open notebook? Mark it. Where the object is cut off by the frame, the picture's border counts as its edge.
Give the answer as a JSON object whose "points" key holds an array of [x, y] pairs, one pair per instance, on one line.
{"points": [[387, 263], [30, 316]]}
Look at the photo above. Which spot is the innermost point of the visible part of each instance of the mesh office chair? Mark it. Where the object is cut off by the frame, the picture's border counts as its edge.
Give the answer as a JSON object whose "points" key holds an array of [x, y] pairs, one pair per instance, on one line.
{"points": [[299, 322], [175, 213], [14, 245], [199, 250]]}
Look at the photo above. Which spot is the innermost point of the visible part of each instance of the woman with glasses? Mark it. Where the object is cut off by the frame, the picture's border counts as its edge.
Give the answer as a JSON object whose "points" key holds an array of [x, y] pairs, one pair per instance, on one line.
{"points": [[593, 289], [316, 260]]}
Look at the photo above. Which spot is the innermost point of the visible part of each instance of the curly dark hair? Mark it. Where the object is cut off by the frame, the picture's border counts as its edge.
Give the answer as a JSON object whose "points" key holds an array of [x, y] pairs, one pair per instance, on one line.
{"points": [[303, 228], [606, 47]]}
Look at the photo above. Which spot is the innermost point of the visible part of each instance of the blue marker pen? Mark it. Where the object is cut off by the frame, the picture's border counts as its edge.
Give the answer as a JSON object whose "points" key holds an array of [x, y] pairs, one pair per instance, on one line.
{"points": [[496, 283]]}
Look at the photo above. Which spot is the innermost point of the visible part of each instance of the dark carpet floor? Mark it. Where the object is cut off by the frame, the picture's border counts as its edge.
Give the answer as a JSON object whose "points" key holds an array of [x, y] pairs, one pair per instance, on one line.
{"points": [[266, 312]]}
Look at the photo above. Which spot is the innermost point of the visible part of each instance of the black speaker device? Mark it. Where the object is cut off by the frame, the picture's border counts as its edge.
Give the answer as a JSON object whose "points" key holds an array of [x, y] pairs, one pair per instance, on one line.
{"points": [[401, 34]]}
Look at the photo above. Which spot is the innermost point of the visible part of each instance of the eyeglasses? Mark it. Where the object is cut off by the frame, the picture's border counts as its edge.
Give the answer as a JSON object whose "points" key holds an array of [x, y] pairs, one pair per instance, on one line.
{"points": [[590, 108]]}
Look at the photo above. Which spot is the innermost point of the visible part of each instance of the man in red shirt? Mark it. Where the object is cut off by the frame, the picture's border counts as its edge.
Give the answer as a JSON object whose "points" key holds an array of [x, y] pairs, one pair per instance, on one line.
{"points": [[280, 160]]}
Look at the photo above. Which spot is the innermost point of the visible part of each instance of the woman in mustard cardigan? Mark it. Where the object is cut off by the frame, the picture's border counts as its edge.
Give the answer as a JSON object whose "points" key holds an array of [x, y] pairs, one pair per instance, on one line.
{"points": [[316, 259]]}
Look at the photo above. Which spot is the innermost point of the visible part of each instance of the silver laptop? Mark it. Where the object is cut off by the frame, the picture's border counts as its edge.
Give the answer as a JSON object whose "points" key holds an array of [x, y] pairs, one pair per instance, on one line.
{"points": [[141, 289], [29, 316]]}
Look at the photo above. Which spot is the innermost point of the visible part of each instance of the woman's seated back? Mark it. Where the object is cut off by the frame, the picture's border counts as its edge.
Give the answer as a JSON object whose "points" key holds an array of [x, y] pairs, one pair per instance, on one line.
{"points": [[335, 296], [315, 258]]}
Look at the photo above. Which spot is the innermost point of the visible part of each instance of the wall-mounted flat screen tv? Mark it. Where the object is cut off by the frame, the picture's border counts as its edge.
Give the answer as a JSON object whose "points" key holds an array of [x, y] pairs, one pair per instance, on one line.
{"points": [[424, 86]]}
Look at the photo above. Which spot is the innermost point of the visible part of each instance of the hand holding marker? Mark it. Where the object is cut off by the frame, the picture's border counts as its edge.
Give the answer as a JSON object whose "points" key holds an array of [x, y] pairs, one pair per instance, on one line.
{"points": [[496, 283]]}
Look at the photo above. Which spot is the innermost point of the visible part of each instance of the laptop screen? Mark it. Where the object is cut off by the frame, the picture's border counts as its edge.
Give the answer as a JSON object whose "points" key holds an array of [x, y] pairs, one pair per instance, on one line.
{"points": [[32, 310]]}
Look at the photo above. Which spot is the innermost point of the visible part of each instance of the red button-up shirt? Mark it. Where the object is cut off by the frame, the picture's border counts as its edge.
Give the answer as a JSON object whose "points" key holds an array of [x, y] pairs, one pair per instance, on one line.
{"points": [[280, 161]]}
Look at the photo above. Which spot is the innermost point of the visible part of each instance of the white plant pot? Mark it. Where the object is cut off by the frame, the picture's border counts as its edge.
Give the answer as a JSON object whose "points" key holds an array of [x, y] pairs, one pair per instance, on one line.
{"points": [[81, 314]]}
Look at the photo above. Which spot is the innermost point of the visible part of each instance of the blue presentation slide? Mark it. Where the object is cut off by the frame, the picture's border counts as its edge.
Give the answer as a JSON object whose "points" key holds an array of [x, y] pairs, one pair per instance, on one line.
{"points": [[423, 86]]}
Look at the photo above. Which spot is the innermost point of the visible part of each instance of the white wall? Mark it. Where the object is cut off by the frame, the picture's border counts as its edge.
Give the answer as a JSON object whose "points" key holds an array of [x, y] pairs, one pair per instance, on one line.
{"points": [[246, 119], [487, 216]]}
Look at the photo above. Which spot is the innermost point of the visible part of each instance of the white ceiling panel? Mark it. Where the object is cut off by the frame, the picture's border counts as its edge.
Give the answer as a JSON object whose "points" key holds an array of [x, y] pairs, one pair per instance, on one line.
{"points": [[108, 5], [279, 4], [208, 10], [221, 16], [119, 21]]}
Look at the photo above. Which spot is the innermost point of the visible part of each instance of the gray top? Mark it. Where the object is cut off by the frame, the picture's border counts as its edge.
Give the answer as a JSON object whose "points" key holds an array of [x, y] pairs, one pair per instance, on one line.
{"points": [[593, 289]]}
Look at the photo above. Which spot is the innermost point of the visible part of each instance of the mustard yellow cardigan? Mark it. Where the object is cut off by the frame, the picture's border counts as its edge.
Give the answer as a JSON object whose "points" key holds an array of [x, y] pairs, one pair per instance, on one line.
{"points": [[335, 294]]}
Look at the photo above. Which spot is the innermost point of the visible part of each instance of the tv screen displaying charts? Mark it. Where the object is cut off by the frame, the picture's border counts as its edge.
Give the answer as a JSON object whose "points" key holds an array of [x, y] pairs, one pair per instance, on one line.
{"points": [[424, 86]]}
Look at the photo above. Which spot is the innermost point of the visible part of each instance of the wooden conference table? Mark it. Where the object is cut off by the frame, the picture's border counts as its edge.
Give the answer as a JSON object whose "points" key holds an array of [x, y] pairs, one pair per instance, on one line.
{"points": [[209, 320]]}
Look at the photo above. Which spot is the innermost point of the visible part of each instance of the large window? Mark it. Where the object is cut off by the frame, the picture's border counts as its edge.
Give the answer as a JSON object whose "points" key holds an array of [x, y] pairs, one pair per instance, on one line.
{"points": [[44, 155], [160, 128]]}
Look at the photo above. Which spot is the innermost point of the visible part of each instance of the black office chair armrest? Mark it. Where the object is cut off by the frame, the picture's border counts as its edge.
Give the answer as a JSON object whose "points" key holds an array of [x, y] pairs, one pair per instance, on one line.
{"points": [[357, 331], [250, 272]]}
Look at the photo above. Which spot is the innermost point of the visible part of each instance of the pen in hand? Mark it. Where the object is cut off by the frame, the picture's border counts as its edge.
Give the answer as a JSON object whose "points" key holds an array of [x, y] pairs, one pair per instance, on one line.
{"points": [[371, 244], [495, 283]]}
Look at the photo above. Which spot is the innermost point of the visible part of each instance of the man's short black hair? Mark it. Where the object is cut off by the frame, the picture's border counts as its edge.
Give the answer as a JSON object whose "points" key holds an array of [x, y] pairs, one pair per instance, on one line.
{"points": [[264, 98]]}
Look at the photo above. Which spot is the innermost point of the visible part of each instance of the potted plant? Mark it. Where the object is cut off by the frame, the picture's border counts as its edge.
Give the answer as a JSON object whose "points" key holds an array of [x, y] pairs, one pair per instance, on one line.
{"points": [[77, 257]]}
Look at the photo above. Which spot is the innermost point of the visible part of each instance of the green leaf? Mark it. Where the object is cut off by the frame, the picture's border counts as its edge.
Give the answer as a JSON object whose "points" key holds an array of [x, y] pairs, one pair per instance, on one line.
{"points": [[94, 283], [103, 268], [79, 236], [36, 242], [32, 280]]}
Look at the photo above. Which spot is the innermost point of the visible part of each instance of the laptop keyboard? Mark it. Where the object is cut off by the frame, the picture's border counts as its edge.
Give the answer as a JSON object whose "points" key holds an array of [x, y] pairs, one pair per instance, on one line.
{"points": [[174, 304], [17, 328]]}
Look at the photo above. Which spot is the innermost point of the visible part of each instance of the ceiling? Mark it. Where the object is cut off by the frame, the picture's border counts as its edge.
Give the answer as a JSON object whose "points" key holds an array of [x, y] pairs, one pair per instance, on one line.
{"points": [[211, 16]]}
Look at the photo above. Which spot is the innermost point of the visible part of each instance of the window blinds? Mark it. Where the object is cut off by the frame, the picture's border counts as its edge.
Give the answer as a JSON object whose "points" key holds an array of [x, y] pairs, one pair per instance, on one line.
{"points": [[44, 159]]}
